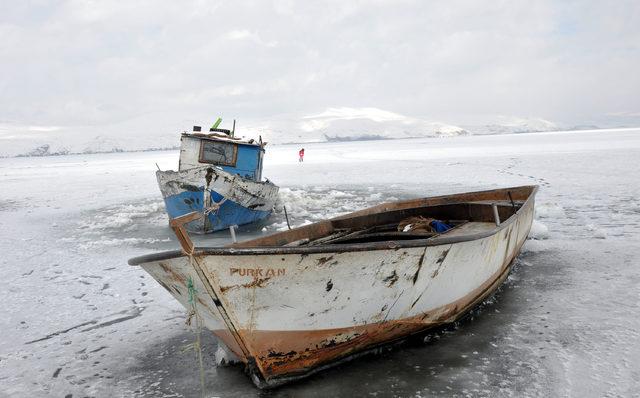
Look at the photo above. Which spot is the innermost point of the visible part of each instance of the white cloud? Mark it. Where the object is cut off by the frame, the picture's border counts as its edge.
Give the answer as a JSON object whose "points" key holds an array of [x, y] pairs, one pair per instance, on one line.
{"points": [[77, 62], [244, 34], [238, 35]]}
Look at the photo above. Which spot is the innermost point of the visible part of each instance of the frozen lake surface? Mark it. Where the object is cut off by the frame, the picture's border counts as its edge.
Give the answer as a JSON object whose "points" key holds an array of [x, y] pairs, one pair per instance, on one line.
{"points": [[76, 320]]}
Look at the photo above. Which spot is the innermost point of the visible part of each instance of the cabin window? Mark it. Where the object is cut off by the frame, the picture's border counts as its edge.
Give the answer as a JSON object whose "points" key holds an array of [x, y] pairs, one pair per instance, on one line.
{"points": [[216, 152]]}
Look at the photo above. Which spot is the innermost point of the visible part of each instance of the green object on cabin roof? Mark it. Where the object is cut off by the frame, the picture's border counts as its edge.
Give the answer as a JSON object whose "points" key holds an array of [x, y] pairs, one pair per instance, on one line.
{"points": [[217, 123]]}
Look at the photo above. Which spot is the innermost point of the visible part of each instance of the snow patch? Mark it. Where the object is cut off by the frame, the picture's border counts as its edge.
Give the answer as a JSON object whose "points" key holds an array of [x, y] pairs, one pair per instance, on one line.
{"points": [[105, 242], [539, 231], [224, 356], [597, 233], [549, 210], [120, 225], [123, 217], [534, 246], [309, 205]]}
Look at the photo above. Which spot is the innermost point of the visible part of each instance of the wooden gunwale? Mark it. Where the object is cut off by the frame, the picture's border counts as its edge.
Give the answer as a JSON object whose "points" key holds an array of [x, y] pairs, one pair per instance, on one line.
{"points": [[356, 247]]}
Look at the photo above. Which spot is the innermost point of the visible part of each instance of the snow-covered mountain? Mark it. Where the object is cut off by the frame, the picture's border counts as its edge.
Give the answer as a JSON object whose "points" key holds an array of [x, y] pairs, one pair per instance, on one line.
{"points": [[351, 124], [156, 132], [132, 135], [511, 124]]}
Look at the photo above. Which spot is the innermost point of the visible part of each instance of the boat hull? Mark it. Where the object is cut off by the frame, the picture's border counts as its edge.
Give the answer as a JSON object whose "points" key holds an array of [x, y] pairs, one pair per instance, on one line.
{"points": [[294, 313], [241, 201]]}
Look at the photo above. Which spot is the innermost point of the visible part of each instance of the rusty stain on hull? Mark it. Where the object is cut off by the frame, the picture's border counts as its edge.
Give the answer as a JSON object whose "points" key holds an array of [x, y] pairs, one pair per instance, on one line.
{"points": [[308, 349], [255, 283], [288, 311]]}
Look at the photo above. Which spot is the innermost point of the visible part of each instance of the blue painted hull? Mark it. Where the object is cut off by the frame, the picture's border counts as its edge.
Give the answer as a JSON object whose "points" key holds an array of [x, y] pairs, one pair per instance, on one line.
{"points": [[230, 213]]}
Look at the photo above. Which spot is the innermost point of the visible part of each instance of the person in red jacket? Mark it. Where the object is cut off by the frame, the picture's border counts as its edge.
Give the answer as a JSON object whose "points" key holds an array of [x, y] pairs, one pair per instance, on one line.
{"points": [[301, 154]]}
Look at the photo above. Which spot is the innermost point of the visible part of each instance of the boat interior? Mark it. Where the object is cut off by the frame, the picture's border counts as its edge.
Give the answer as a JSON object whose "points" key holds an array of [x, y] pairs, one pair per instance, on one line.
{"points": [[401, 224], [459, 217]]}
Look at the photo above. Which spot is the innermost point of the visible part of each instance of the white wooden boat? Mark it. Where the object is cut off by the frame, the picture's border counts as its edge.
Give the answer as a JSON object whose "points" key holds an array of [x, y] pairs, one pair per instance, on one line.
{"points": [[298, 301]]}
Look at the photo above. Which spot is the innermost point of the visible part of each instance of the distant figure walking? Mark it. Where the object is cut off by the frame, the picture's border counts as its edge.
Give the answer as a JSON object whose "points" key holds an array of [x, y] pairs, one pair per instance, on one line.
{"points": [[301, 154]]}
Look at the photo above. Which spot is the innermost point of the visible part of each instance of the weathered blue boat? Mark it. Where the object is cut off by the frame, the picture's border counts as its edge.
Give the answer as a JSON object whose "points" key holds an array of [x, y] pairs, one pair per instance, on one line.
{"points": [[220, 176]]}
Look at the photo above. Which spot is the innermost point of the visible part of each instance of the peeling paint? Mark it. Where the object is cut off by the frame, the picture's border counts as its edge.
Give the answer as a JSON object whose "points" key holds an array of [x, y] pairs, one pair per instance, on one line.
{"points": [[420, 260], [329, 286], [290, 327], [391, 279], [439, 263], [323, 260], [256, 195]]}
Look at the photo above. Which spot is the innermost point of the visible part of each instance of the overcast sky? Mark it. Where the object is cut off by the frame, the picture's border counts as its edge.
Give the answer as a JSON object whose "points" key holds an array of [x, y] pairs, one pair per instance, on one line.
{"points": [[95, 62]]}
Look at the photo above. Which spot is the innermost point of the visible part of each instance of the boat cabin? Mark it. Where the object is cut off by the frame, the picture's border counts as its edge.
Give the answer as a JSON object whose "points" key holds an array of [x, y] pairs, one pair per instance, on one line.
{"points": [[219, 148]]}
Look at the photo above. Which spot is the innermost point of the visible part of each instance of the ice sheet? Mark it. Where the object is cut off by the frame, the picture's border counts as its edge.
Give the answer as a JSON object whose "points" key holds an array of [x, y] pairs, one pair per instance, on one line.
{"points": [[76, 319]]}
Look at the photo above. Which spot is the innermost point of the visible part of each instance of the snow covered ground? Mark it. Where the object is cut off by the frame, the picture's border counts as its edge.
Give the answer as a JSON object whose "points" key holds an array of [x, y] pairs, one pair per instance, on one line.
{"points": [[76, 320]]}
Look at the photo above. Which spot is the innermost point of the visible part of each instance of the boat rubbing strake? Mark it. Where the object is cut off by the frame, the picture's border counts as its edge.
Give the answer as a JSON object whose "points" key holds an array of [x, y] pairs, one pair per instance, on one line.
{"points": [[298, 301]]}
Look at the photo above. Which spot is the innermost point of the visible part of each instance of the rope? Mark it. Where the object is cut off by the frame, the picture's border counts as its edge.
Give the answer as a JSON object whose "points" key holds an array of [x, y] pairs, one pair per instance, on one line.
{"points": [[214, 207], [193, 313]]}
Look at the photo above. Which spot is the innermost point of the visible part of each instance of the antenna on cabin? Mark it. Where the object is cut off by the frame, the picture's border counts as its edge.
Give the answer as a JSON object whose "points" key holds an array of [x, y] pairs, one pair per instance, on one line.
{"points": [[233, 131]]}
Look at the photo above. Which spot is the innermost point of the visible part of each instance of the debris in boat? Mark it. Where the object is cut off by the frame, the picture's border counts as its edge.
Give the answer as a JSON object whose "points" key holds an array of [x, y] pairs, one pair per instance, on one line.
{"points": [[422, 224]]}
